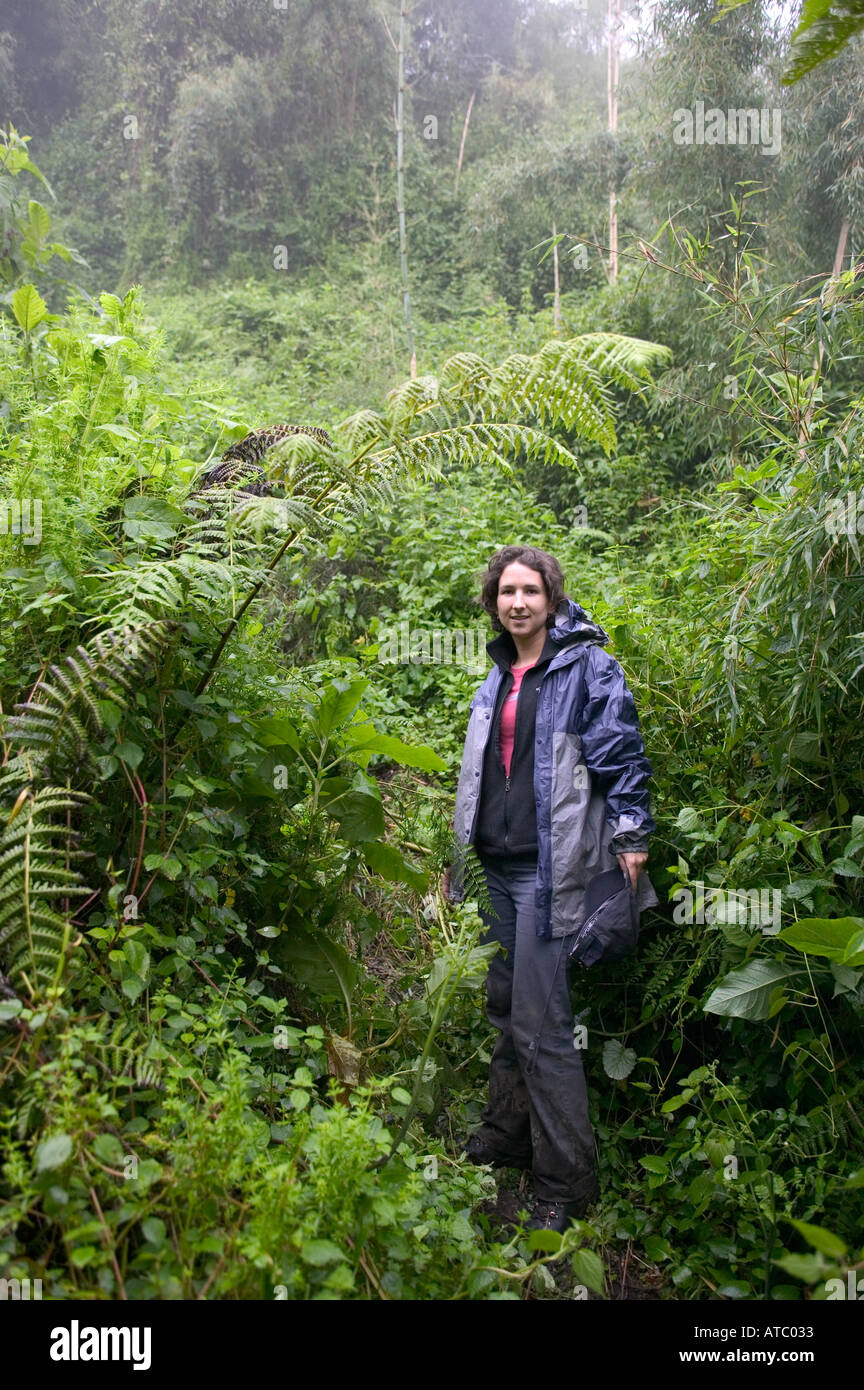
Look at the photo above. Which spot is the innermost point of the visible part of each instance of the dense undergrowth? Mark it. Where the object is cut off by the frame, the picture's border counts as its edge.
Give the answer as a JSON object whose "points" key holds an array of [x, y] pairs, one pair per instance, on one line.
{"points": [[242, 1032]]}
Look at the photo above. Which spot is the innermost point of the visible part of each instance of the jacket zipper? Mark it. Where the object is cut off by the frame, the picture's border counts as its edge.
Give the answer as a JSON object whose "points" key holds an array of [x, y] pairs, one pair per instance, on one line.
{"points": [[507, 774]]}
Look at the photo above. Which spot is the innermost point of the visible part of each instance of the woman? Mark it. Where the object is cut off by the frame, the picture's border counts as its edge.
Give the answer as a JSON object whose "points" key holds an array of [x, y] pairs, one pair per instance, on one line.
{"points": [[552, 789]]}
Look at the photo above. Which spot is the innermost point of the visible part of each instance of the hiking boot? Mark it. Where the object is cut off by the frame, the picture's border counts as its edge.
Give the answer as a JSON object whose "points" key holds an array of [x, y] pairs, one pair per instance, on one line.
{"points": [[554, 1215], [476, 1151]]}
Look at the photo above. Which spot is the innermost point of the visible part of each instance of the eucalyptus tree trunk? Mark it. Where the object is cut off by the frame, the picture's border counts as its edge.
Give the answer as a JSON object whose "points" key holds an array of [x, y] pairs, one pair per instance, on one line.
{"points": [[462, 142], [400, 189], [612, 72], [556, 304]]}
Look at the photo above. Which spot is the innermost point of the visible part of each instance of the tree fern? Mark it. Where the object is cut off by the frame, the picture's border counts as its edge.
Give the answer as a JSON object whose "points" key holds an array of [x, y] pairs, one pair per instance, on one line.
{"points": [[566, 384], [472, 412], [467, 446]]}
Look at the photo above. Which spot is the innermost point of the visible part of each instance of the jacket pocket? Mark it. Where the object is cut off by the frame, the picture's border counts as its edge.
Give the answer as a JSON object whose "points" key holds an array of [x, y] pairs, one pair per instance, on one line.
{"points": [[571, 803]]}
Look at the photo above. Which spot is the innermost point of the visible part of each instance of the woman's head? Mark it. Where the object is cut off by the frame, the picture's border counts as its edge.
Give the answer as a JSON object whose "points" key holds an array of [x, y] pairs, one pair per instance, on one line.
{"points": [[521, 577]]}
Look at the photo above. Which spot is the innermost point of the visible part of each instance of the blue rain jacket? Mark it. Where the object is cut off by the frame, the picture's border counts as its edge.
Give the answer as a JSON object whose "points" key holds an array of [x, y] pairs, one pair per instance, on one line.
{"points": [[590, 773]]}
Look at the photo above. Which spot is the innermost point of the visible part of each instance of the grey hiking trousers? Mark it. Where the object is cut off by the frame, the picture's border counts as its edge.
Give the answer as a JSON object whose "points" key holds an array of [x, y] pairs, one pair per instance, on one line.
{"points": [[538, 1100]]}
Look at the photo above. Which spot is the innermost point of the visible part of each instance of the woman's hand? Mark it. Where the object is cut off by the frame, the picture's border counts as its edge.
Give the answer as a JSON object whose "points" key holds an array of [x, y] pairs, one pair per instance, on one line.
{"points": [[632, 864], [445, 884]]}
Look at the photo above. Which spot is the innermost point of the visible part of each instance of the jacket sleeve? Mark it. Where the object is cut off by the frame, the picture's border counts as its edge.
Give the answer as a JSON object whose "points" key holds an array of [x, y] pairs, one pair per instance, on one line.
{"points": [[461, 811], [614, 752]]}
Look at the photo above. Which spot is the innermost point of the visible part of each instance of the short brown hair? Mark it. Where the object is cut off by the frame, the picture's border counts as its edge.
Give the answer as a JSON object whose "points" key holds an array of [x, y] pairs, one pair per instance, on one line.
{"points": [[545, 564]]}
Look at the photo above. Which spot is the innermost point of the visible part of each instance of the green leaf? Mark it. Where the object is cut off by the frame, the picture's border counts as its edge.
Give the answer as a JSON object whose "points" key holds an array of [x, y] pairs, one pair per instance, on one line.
{"points": [[588, 1269], [545, 1240], [39, 219], [752, 991], [656, 1248], [390, 864], [134, 969], [655, 1163], [618, 1060], [149, 1171], [154, 1231], [805, 747], [675, 1102], [165, 864], [321, 1252], [817, 1236], [846, 868], [111, 304], [123, 432], [130, 753], [358, 812], [83, 1255], [108, 1149], [823, 31], [277, 732], [407, 754], [137, 956], [318, 963], [151, 518], [845, 980], [53, 1152], [809, 1268], [400, 1095], [336, 707], [29, 307], [840, 939]]}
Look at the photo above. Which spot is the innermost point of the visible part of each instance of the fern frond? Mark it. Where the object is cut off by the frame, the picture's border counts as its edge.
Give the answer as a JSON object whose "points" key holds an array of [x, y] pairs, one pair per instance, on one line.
{"points": [[466, 374], [555, 390], [282, 515], [360, 430], [138, 594], [467, 445], [34, 874], [628, 362], [566, 383], [55, 723], [127, 1052], [406, 401], [474, 880]]}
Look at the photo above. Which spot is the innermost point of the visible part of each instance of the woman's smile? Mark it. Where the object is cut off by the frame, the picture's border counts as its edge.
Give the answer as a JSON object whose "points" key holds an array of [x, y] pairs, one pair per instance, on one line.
{"points": [[523, 606]]}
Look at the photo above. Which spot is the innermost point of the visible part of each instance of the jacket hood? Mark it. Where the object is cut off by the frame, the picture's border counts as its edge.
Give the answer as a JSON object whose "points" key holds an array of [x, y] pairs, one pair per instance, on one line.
{"points": [[572, 624]]}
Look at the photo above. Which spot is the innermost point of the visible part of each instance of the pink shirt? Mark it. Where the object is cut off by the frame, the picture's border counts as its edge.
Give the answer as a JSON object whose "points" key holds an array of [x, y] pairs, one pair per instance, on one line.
{"points": [[508, 715]]}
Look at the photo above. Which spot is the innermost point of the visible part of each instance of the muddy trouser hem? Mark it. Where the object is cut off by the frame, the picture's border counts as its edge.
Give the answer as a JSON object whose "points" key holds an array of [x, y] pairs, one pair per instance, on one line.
{"points": [[538, 1099]]}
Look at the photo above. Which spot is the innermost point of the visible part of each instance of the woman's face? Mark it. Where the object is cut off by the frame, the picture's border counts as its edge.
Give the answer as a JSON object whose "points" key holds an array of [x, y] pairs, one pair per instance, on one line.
{"points": [[522, 603]]}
